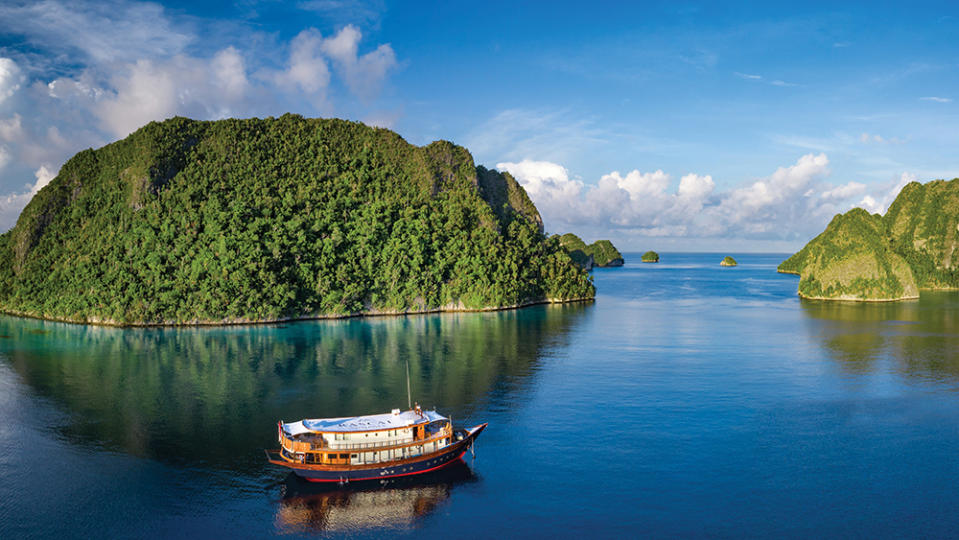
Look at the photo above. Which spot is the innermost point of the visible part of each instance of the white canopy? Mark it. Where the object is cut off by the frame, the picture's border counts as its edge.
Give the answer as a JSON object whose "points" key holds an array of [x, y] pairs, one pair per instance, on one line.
{"points": [[361, 423]]}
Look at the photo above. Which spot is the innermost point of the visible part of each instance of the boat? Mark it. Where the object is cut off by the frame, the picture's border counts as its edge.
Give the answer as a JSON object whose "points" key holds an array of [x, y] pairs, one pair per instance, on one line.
{"points": [[371, 447]]}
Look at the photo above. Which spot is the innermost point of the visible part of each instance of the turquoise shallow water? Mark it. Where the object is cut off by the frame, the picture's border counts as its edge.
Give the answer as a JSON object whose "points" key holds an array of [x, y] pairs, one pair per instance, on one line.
{"points": [[687, 400]]}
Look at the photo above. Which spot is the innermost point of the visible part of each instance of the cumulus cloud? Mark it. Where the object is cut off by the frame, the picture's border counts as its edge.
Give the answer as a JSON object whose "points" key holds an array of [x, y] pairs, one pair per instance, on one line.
{"points": [[363, 74], [154, 90], [307, 69], [11, 78], [877, 203], [789, 203], [844, 192]]}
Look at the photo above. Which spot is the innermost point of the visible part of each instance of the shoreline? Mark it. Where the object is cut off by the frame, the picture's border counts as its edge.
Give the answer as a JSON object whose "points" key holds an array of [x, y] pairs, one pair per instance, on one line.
{"points": [[857, 300], [322, 317]]}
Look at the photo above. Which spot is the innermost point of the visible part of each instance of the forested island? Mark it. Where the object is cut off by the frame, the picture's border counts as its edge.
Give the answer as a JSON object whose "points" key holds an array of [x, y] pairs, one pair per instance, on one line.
{"points": [[871, 257], [650, 257], [237, 221], [728, 261], [601, 253]]}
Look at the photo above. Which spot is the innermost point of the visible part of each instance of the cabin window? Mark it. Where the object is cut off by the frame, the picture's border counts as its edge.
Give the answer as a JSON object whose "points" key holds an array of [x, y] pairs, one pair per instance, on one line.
{"points": [[352, 456], [343, 456]]}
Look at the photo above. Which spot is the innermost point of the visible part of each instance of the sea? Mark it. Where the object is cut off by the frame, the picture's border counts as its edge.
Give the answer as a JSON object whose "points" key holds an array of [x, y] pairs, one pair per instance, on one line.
{"points": [[688, 400]]}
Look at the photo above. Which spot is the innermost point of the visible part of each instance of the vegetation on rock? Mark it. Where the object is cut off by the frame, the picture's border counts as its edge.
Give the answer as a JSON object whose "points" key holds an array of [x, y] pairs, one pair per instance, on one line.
{"points": [[264, 219], [728, 261], [599, 253], [871, 257], [650, 257], [605, 254]]}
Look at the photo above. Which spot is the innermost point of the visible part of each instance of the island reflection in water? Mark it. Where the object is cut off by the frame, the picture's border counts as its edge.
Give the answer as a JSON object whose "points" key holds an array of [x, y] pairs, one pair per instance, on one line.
{"points": [[211, 397], [920, 337], [390, 504]]}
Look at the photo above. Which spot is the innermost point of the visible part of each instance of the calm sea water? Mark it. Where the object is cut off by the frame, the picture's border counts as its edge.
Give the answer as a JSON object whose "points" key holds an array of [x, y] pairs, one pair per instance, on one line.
{"points": [[687, 400]]}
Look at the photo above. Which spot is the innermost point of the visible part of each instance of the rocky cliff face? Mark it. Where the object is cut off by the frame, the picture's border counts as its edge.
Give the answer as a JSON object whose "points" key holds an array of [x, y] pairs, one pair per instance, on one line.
{"points": [[862, 256], [600, 253]]}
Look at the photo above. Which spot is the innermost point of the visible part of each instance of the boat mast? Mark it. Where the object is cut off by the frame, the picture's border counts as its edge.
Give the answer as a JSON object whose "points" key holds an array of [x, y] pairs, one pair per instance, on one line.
{"points": [[409, 395]]}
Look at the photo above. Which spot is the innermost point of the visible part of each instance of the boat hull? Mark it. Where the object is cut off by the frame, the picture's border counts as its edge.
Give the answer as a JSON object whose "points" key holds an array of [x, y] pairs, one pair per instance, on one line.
{"points": [[418, 465]]}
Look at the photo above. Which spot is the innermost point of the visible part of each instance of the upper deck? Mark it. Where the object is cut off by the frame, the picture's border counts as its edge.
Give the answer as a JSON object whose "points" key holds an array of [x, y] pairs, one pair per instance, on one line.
{"points": [[360, 424]]}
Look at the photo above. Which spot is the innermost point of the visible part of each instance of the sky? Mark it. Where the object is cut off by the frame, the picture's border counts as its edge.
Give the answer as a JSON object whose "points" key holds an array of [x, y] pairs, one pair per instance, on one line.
{"points": [[674, 126]]}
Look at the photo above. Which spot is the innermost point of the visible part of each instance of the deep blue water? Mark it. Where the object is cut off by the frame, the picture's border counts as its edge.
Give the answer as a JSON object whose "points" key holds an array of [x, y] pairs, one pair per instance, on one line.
{"points": [[687, 400]]}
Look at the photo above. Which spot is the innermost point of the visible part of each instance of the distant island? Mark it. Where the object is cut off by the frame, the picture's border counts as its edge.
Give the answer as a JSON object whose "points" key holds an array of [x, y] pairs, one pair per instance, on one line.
{"points": [[238, 221], [728, 261], [871, 257], [600, 253], [650, 257]]}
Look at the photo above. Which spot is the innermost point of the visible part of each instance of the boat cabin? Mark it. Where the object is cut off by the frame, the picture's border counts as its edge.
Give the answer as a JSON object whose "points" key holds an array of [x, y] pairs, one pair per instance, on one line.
{"points": [[363, 440]]}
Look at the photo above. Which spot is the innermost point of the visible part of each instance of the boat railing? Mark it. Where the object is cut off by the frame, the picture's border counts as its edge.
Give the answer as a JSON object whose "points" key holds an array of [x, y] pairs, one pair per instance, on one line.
{"points": [[297, 446], [377, 444]]}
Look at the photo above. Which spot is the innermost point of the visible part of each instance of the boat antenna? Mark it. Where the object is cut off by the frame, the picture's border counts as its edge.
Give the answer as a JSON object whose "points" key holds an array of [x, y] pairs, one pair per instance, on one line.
{"points": [[409, 395]]}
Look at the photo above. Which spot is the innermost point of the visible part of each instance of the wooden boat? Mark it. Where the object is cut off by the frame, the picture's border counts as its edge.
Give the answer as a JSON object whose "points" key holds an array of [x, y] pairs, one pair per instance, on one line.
{"points": [[373, 447]]}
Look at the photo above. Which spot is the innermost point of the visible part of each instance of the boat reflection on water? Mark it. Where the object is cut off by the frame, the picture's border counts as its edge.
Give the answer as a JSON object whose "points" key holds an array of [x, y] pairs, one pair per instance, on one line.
{"points": [[397, 503]]}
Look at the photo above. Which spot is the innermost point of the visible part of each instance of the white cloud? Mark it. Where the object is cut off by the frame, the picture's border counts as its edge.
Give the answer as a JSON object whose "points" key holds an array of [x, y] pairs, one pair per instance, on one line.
{"points": [[43, 176], [98, 31], [229, 72], [936, 99], [307, 69], [11, 205], [11, 129], [363, 74], [11, 77], [877, 203], [790, 203], [875, 138], [514, 134], [694, 186], [844, 191], [754, 77], [549, 185]]}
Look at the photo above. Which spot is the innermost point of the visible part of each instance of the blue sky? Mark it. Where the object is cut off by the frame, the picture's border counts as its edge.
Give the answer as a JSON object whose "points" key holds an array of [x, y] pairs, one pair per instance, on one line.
{"points": [[672, 126]]}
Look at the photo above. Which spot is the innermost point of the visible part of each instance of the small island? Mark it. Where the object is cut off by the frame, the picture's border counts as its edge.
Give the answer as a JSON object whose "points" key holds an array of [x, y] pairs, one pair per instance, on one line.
{"points": [[650, 257], [728, 261], [261, 220], [601, 253], [871, 257]]}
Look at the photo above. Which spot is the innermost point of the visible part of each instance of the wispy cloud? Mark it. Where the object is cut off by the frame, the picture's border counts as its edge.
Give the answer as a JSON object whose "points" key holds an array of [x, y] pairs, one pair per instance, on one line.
{"points": [[868, 138], [936, 99], [555, 135], [760, 78]]}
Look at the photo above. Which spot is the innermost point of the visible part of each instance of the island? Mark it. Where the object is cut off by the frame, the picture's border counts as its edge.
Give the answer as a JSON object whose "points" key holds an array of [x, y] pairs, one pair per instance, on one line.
{"points": [[260, 220], [728, 261], [650, 257], [600, 253], [871, 257]]}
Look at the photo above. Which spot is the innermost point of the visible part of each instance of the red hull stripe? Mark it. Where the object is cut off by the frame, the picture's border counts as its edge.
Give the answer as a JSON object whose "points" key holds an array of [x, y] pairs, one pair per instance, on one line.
{"points": [[448, 463]]}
